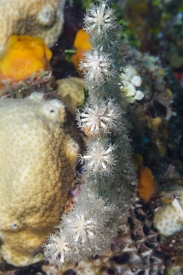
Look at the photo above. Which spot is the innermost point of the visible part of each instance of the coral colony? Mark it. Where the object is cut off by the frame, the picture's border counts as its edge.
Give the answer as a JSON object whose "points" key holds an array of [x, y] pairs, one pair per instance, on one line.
{"points": [[36, 148], [108, 173]]}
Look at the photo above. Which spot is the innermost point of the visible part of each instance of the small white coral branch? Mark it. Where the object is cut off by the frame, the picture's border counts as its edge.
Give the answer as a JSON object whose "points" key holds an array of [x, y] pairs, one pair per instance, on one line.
{"points": [[97, 67], [100, 19], [100, 119], [58, 247], [99, 158], [82, 226], [94, 219], [83, 231]]}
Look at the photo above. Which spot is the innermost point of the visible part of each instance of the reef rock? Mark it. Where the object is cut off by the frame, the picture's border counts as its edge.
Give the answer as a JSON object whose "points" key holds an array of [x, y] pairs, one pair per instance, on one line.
{"points": [[43, 18], [37, 168]]}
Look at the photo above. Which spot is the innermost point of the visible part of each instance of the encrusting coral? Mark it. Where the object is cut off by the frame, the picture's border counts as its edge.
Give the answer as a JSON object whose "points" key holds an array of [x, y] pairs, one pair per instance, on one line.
{"points": [[43, 18], [37, 168]]}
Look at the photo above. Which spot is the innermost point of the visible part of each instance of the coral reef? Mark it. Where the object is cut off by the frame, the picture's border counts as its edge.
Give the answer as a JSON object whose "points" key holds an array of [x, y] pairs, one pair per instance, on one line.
{"points": [[43, 18], [37, 167], [153, 101], [23, 57]]}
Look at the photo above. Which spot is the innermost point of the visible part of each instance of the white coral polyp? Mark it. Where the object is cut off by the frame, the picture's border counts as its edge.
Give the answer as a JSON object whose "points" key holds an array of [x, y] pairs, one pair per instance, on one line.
{"points": [[102, 118], [99, 158], [58, 247], [100, 19], [83, 227], [97, 67]]}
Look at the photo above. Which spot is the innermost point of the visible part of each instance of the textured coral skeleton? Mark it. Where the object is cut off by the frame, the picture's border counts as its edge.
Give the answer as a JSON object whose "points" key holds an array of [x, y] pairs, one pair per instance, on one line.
{"points": [[108, 173], [37, 168]]}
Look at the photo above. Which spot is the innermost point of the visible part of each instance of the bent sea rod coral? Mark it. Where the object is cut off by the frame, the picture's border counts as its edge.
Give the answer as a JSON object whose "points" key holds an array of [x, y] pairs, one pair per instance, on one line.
{"points": [[108, 173]]}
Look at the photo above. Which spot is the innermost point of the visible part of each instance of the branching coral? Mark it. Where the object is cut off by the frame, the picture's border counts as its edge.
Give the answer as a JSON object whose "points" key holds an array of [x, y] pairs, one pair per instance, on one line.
{"points": [[108, 173]]}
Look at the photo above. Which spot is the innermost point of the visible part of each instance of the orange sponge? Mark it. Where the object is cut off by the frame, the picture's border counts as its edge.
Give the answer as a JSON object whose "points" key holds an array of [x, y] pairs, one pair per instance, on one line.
{"points": [[81, 43], [24, 56], [147, 185]]}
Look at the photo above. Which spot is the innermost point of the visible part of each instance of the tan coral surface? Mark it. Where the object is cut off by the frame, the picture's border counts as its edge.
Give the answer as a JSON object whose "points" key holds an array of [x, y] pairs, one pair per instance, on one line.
{"points": [[72, 90], [42, 18], [37, 168]]}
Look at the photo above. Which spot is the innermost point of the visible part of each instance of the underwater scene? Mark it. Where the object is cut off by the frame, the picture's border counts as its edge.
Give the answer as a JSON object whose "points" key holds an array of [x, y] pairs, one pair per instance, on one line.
{"points": [[91, 137]]}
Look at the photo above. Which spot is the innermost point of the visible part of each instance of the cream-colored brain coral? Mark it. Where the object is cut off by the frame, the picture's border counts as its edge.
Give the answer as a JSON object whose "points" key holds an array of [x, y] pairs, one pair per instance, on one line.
{"points": [[37, 168], [42, 18]]}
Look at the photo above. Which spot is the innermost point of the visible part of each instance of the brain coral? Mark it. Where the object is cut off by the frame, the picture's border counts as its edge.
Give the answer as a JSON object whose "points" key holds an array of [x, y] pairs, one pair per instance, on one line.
{"points": [[43, 18], [37, 168]]}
